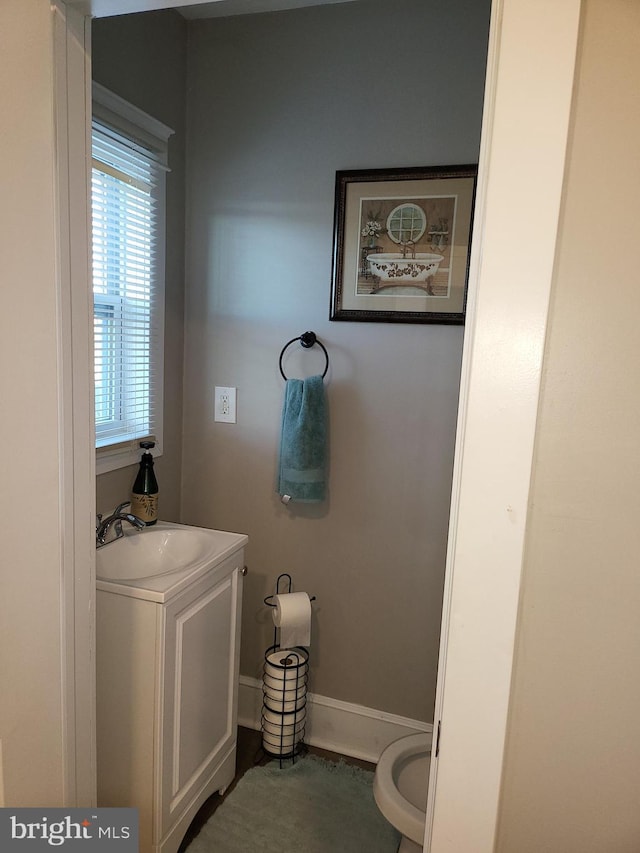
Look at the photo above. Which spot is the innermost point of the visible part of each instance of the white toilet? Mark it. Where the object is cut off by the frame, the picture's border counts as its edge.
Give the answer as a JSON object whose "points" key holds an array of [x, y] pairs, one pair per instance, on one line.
{"points": [[400, 787]]}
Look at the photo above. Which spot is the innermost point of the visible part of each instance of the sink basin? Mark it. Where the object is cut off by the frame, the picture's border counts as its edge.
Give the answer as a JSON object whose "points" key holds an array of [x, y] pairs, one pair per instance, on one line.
{"points": [[162, 549]]}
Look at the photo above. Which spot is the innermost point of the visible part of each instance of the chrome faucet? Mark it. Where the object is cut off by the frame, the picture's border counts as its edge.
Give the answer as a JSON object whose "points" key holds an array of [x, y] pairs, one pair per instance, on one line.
{"points": [[115, 519]]}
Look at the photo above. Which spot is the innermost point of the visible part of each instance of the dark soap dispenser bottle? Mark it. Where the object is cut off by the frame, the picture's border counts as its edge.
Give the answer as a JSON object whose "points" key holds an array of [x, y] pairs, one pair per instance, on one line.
{"points": [[144, 494]]}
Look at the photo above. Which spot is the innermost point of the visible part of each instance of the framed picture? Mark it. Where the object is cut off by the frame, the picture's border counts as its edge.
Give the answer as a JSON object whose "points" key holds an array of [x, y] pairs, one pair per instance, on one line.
{"points": [[401, 244]]}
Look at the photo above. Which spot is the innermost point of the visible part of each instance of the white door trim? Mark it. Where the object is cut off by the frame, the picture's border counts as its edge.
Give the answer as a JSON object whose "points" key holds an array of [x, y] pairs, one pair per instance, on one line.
{"points": [[522, 162], [76, 451], [529, 90]]}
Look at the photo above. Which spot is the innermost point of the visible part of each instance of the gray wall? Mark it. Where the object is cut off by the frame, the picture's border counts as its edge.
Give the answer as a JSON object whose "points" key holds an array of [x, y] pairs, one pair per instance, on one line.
{"points": [[276, 104], [142, 58]]}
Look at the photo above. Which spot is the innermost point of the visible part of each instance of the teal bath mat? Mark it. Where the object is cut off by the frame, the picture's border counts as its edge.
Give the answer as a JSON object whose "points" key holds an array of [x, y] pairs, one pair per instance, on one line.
{"points": [[312, 806]]}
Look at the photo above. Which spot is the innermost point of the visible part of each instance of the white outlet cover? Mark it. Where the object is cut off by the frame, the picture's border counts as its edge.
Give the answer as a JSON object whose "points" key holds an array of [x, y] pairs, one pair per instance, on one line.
{"points": [[224, 407]]}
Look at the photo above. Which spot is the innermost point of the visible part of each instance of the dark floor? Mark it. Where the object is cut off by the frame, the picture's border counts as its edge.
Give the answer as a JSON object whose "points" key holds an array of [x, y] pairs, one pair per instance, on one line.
{"points": [[249, 754]]}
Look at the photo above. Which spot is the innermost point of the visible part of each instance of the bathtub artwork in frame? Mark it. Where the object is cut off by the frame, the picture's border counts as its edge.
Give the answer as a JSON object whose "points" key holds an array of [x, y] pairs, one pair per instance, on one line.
{"points": [[401, 244]]}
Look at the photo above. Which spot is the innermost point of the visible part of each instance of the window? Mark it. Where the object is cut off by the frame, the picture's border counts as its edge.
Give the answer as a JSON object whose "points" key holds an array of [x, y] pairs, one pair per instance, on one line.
{"points": [[129, 157]]}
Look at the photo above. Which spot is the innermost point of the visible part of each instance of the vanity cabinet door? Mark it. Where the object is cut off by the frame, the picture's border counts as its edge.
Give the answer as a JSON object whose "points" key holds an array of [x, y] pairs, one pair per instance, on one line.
{"points": [[200, 689]]}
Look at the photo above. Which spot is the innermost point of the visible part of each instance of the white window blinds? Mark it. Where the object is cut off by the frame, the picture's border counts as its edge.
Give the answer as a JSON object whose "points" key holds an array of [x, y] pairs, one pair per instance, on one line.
{"points": [[127, 190]]}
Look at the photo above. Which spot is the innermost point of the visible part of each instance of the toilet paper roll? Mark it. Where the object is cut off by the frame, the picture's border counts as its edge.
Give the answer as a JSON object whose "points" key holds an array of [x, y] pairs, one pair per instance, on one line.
{"points": [[280, 744], [292, 614], [276, 694], [283, 705], [286, 668], [273, 733], [288, 724]]}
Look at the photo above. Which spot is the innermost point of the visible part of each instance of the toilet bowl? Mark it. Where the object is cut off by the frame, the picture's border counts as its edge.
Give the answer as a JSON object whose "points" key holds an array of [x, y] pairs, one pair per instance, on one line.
{"points": [[400, 787]]}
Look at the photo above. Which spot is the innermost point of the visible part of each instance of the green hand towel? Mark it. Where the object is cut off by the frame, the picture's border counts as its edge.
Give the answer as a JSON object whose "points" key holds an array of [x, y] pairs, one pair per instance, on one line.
{"points": [[302, 467]]}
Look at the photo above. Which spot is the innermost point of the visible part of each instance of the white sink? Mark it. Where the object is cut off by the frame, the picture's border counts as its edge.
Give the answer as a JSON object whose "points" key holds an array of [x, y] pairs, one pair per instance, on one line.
{"points": [[157, 557]]}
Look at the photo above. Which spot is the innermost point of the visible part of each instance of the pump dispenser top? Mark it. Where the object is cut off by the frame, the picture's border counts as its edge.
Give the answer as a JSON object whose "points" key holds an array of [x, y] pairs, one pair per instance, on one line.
{"points": [[144, 494]]}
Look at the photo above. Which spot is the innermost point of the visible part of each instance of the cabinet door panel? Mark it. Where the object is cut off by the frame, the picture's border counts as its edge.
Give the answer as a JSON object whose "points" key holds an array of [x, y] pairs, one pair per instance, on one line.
{"points": [[204, 658], [201, 649]]}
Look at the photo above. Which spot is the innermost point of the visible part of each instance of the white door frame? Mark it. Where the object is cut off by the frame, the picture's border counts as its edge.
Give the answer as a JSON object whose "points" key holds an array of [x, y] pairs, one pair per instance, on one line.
{"points": [[526, 119], [72, 74], [520, 180]]}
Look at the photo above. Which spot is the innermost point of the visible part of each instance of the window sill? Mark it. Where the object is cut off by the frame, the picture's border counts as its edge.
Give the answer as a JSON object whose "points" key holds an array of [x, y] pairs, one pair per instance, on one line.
{"points": [[115, 456]]}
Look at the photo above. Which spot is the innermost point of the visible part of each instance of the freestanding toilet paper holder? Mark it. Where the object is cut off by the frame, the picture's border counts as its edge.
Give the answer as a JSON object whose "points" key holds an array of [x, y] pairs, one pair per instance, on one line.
{"points": [[284, 691]]}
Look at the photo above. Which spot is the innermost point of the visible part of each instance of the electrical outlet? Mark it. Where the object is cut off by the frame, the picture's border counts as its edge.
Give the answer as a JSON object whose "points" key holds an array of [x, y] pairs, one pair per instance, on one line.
{"points": [[224, 409]]}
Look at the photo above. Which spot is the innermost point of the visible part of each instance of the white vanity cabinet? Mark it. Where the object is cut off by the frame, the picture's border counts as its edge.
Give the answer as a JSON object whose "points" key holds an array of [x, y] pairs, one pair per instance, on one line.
{"points": [[167, 693]]}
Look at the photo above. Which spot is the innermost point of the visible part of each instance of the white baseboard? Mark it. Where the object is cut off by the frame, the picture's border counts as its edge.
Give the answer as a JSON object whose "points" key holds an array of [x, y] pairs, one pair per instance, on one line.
{"points": [[342, 727]]}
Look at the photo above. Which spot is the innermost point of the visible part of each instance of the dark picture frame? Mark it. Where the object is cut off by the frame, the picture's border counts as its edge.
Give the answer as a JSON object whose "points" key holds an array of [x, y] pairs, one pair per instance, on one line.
{"points": [[401, 244]]}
